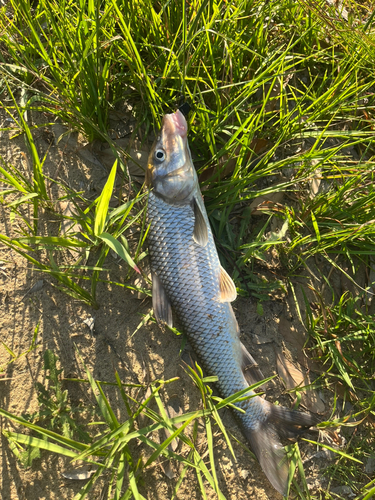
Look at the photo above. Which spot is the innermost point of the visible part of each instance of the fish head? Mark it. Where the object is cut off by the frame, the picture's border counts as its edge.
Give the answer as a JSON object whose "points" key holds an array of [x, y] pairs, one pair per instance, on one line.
{"points": [[170, 170]]}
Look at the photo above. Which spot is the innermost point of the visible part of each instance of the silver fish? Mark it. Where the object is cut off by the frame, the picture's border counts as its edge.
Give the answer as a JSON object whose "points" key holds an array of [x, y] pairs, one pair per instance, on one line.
{"points": [[188, 278]]}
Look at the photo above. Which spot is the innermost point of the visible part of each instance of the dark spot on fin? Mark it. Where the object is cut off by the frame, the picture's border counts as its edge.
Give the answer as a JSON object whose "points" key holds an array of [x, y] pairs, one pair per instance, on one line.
{"points": [[265, 441], [160, 302], [250, 368], [200, 234], [228, 291]]}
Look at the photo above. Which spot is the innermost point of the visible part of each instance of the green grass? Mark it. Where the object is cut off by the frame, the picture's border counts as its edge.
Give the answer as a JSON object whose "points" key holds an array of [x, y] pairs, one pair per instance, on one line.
{"points": [[282, 96], [112, 451]]}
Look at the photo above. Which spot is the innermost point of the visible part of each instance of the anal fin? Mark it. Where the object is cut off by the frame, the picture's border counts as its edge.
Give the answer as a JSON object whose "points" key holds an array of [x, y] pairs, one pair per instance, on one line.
{"points": [[200, 234], [160, 302], [250, 367]]}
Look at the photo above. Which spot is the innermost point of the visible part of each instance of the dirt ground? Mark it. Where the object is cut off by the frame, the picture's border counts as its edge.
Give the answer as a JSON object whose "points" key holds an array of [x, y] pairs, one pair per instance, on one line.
{"points": [[147, 355]]}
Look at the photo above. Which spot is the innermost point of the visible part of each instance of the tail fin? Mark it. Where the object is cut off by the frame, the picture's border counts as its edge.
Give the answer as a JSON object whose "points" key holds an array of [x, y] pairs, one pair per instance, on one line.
{"points": [[265, 441]]}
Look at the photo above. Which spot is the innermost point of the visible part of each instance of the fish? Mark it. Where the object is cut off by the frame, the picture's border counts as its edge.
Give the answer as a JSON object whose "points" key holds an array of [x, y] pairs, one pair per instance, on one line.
{"points": [[188, 279]]}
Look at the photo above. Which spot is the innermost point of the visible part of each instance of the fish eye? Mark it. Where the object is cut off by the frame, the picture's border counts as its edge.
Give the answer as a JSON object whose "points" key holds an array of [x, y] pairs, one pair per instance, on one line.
{"points": [[159, 155]]}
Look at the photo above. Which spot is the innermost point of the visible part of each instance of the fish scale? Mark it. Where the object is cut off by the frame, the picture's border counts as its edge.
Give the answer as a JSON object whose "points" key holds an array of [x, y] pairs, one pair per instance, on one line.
{"points": [[187, 277], [189, 274]]}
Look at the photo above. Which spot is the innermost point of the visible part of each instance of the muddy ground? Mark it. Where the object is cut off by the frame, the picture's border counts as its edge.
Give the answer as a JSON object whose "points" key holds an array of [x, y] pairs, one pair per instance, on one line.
{"points": [[111, 346]]}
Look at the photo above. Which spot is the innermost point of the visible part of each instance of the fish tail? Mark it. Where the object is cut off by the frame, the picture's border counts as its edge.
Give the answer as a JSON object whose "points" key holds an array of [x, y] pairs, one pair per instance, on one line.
{"points": [[265, 441]]}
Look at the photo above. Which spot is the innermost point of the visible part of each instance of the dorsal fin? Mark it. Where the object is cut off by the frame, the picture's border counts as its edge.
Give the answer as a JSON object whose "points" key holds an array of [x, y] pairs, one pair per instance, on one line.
{"points": [[228, 291], [200, 234], [160, 302]]}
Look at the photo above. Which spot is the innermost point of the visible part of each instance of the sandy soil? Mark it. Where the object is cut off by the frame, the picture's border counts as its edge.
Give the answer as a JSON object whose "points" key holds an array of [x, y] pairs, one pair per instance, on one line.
{"points": [[148, 354]]}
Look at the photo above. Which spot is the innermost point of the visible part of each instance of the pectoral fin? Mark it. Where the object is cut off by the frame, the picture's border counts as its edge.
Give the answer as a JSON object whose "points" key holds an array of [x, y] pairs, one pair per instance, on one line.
{"points": [[228, 291], [200, 234], [160, 302]]}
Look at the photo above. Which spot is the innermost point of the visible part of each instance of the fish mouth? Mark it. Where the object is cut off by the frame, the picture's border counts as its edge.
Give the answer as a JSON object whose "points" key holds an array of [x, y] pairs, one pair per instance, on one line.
{"points": [[175, 124]]}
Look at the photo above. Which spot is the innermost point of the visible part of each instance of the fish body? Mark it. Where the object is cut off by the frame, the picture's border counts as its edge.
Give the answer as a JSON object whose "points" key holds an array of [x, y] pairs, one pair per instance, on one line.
{"points": [[188, 278], [189, 274]]}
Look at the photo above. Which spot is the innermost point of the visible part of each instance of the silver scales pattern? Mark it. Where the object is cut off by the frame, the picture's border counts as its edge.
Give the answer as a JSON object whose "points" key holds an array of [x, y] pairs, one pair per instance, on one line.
{"points": [[190, 276]]}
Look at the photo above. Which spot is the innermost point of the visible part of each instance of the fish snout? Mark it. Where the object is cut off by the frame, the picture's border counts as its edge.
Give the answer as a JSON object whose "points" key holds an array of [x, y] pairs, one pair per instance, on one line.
{"points": [[175, 123], [170, 169]]}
